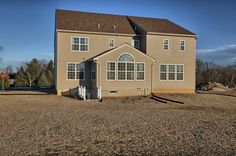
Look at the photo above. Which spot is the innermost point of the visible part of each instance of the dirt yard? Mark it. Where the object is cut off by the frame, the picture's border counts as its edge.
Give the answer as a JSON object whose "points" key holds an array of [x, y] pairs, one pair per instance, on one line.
{"points": [[41, 124]]}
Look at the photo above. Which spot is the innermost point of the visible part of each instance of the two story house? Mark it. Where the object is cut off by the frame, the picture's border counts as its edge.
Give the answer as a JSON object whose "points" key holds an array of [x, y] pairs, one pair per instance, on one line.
{"points": [[122, 55]]}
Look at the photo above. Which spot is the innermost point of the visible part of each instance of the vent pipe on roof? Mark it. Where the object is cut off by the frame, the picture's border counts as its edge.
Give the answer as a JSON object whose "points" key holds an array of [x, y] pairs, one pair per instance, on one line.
{"points": [[114, 26], [98, 26]]}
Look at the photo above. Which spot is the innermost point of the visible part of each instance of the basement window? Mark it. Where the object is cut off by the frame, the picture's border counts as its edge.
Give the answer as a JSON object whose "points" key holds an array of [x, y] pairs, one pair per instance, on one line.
{"points": [[113, 91]]}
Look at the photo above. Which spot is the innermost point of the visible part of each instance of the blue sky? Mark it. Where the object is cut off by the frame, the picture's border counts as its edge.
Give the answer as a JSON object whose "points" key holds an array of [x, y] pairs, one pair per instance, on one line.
{"points": [[27, 26]]}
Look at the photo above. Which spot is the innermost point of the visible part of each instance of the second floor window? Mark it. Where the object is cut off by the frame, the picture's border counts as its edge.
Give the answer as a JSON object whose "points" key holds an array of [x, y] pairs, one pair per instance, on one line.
{"points": [[182, 45], [111, 43], [80, 44], [166, 45], [135, 43]]}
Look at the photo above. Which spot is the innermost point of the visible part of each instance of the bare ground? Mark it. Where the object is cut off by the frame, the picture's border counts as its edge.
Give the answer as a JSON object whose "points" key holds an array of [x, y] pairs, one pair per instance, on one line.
{"points": [[41, 124]]}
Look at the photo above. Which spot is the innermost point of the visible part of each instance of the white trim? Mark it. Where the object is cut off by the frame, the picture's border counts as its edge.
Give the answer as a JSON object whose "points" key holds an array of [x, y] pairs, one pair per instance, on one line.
{"points": [[181, 45], [126, 71], [111, 39], [122, 47], [167, 72], [107, 70], [77, 36], [163, 44], [133, 43], [143, 71], [169, 34], [100, 33]]}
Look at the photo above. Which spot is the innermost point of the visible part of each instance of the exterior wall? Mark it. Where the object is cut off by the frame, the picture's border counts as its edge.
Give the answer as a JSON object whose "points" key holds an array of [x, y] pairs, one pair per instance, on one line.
{"points": [[64, 54], [124, 87], [173, 56]]}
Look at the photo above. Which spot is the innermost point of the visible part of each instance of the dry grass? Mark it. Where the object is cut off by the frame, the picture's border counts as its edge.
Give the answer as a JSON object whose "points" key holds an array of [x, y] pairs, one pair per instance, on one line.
{"points": [[40, 124]]}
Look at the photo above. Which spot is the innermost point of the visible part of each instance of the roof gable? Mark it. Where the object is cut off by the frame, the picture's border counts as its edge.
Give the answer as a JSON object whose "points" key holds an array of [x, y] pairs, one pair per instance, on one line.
{"points": [[122, 46]]}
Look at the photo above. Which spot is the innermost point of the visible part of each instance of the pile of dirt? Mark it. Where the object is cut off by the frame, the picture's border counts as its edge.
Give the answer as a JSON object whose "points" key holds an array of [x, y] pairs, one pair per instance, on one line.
{"points": [[214, 86]]}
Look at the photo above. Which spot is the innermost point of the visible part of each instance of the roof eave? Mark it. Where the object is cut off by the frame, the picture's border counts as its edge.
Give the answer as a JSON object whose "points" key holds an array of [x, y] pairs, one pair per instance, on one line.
{"points": [[173, 34], [100, 33]]}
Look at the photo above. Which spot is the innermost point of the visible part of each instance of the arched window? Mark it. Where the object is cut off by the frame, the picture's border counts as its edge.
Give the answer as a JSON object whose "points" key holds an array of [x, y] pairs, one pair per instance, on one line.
{"points": [[126, 67]]}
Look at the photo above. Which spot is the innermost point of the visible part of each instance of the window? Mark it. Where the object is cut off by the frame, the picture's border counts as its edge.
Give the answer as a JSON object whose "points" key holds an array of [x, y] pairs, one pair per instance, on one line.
{"points": [[171, 72], [126, 67], [182, 45], [111, 43], [140, 71], [163, 72], [80, 44], [75, 71], [111, 68], [135, 43], [165, 44], [71, 71], [93, 71], [180, 72]]}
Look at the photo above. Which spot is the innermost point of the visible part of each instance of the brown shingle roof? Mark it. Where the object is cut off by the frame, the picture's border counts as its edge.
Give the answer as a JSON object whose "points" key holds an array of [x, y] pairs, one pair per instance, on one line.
{"points": [[159, 25], [93, 22], [105, 23]]}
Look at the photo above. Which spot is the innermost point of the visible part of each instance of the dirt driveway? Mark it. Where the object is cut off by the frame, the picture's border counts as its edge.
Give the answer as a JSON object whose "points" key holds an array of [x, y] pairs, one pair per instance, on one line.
{"points": [[41, 124]]}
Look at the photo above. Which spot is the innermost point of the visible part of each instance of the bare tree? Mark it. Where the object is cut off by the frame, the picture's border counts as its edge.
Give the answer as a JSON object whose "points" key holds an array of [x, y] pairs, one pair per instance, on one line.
{"points": [[29, 73]]}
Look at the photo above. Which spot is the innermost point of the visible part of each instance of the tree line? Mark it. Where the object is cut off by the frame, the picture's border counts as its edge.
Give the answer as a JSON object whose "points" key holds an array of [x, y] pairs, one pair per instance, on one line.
{"points": [[40, 73], [211, 72], [31, 74]]}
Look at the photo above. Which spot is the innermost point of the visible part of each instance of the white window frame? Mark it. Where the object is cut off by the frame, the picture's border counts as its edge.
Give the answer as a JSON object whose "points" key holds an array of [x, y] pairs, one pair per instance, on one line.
{"points": [[126, 67], [179, 72], [163, 72], [72, 37], [110, 70], [182, 45], [140, 71], [109, 40], [133, 43], [167, 72], [75, 71], [168, 44]]}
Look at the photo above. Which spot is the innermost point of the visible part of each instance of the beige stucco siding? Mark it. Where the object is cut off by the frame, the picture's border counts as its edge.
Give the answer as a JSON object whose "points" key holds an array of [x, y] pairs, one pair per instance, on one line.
{"points": [[173, 56], [97, 44], [124, 87]]}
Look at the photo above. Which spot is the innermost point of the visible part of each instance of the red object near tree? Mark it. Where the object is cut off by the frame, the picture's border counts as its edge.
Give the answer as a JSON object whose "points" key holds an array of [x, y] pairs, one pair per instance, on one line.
{"points": [[3, 75]]}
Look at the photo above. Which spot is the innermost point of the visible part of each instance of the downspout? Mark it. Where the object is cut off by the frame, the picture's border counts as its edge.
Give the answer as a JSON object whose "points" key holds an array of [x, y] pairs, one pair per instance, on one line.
{"points": [[151, 76]]}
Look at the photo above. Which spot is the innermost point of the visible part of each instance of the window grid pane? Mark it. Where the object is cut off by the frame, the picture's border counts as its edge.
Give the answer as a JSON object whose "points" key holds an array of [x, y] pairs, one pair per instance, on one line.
{"points": [[110, 70]]}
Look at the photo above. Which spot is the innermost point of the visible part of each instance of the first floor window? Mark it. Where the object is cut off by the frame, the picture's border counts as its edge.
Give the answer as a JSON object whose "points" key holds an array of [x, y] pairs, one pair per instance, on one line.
{"points": [[79, 44], [180, 72], [93, 71], [130, 71], [75, 71], [140, 71], [171, 72], [71, 71], [111, 68], [163, 72], [121, 71], [80, 71]]}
